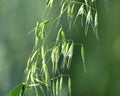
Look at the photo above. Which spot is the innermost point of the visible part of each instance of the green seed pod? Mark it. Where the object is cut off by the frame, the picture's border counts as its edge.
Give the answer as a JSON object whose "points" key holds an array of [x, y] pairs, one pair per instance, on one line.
{"points": [[63, 35], [96, 20], [50, 3], [58, 35], [83, 57], [62, 8], [81, 10], [61, 82], [89, 16], [70, 10], [69, 86], [70, 51], [57, 87]]}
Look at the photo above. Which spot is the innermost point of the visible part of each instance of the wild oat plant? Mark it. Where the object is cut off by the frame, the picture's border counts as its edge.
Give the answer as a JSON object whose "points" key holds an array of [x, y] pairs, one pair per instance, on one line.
{"points": [[47, 71]]}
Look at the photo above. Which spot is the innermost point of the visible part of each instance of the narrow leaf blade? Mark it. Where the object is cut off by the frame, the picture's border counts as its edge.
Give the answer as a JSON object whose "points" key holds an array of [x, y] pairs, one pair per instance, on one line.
{"points": [[18, 90]]}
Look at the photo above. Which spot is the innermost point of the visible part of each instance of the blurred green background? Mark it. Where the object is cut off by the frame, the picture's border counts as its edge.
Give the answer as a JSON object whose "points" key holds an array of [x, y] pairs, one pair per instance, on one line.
{"points": [[18, 17]]}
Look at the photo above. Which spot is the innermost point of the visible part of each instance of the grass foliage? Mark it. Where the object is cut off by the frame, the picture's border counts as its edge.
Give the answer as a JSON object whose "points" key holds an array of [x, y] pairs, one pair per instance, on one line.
{"points": [[49, 64]]}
